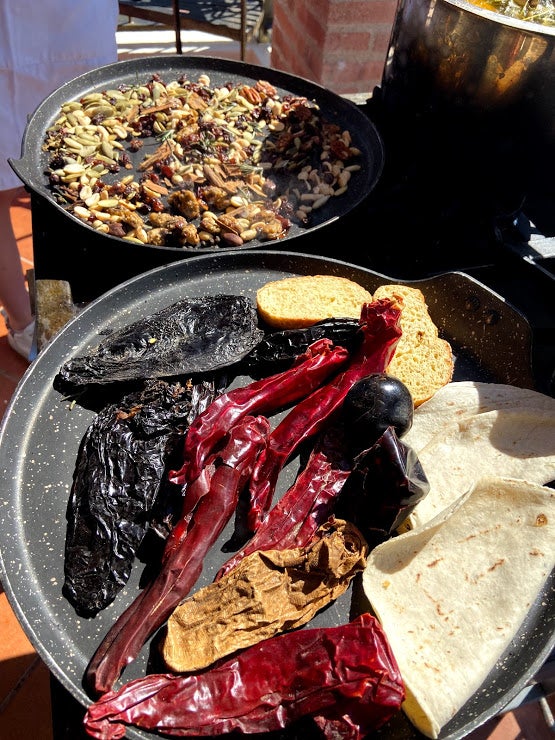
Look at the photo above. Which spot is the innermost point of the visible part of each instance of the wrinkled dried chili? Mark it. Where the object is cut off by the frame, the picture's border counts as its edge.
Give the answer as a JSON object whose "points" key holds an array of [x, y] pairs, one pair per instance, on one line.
{"points": [[215, 500], [191, 336], [346, 678], [306, 505], [264, 396], [279, 349], [385, 485], [120, 470], [381, 331]]}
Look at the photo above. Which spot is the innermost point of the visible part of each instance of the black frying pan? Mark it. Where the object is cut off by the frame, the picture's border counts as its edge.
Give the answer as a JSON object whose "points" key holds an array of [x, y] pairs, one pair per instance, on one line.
{"points": [[31, 167], [40, 435]]}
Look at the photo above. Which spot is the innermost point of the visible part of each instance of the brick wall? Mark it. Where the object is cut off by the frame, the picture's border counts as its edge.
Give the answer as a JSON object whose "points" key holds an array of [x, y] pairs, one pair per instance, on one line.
{"points": [[340, 44]]}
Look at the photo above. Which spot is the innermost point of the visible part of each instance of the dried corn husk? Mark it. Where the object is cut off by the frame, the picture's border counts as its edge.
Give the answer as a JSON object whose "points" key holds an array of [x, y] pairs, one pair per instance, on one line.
{"points": [[267, 593]]}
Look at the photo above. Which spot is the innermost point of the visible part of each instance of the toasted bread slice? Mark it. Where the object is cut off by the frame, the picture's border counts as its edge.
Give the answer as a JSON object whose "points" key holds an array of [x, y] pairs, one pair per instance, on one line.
{"points": [[298, 302], [422, 360]]}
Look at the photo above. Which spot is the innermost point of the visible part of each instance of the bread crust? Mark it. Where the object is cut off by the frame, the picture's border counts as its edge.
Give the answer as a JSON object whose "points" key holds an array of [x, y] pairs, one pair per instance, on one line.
{"points": [[423, 361], [298, 302]]}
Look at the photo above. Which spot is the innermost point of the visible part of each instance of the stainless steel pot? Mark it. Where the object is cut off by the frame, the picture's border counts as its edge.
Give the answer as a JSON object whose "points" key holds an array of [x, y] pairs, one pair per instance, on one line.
{"points": [[477, 88]]}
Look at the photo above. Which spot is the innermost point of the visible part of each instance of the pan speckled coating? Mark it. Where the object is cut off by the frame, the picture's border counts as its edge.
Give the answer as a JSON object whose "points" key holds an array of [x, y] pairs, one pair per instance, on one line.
{"points": [[41, 432]]}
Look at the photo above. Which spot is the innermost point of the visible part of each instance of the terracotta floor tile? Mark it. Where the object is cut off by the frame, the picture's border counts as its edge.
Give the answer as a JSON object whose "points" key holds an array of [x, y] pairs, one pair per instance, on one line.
{"points": [[12, 365], [7, 387], [16, 652], [28, 714], [526, 723], [24, 682]]}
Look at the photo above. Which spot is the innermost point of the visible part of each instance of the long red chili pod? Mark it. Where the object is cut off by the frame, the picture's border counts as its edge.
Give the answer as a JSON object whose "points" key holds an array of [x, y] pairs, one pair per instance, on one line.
{"points": [[345, 677], [183, 555], [305, 506], [381, 332], [264, 396]]}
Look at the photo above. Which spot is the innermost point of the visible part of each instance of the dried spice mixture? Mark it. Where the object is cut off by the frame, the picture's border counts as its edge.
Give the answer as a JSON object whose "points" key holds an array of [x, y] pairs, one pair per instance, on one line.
{"points": [[187, 165]]}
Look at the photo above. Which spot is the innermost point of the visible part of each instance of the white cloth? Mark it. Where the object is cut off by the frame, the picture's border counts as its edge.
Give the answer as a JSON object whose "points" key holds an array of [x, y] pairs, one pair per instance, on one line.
{"points": [[44, 43]]}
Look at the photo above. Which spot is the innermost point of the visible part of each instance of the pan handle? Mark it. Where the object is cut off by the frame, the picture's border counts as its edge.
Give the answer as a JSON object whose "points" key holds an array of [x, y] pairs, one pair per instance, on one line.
{"points": [[21, 169]]}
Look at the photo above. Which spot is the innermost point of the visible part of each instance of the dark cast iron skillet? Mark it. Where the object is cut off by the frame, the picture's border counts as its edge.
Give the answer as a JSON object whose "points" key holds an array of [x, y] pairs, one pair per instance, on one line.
{"points": [[41, 432], [33, 163]]}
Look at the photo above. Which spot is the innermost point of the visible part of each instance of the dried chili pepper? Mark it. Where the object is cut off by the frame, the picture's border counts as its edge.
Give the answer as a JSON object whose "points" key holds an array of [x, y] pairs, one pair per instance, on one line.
{"points": [[191, 336], [264, 396], [120, 470], [377, 492], [306, 505], [385, 485], [346, 678], [381, 329], [214, 500], [267, 593], [278, 349]]}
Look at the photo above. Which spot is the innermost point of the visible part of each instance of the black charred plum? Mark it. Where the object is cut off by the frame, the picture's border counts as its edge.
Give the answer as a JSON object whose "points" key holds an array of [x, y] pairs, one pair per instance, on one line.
{"points": [[373, 404]]}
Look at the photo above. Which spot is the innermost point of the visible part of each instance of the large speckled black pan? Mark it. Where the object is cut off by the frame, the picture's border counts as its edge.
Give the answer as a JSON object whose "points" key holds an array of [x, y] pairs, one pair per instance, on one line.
{"points": [[41, 432], [31, 166]]}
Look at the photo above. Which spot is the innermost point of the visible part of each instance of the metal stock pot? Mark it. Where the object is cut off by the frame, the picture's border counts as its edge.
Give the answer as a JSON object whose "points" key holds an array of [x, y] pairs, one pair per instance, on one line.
{"points": [[475, 87]]}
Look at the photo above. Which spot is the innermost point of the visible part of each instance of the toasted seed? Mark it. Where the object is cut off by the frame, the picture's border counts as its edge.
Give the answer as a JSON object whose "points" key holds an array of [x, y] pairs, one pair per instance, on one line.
{"points": [[108, 203], [103, 216], [120, 132], [141, 235], [321, 201], [74, 168], [92, 200], [72, 143], [248, 235], [107, 149], [82, 212], [238, 200], [88, 151], [344, 178], [85, 192], [91, 98]]}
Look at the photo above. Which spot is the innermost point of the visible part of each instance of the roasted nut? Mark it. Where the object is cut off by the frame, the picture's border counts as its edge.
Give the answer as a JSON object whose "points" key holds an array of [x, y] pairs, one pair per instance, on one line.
{"points": [[214, 161]]}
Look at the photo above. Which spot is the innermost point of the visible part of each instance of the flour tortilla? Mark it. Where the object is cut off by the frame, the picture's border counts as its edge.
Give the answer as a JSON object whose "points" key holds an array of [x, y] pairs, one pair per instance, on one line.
{"points": [[457, 399], [452, 595], [468, 430]]}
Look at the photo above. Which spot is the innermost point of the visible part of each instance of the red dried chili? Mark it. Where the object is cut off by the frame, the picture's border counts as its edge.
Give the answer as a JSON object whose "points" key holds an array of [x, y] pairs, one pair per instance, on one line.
{"points": [[264, 396], [214, 499], [381, 331], [305, 506], [346, 678]]}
